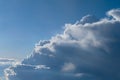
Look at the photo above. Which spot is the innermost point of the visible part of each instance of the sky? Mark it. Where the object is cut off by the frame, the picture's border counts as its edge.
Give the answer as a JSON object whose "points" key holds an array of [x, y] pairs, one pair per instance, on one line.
{"points": [[59, 39], [24, 22], [86, 50]]}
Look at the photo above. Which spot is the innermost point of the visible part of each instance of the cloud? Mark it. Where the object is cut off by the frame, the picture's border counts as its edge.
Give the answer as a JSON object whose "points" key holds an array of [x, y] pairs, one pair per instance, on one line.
{"points": [[7, 61], [115, 13], [68, 67], [88, 19], [86, 50], [4, 63]]}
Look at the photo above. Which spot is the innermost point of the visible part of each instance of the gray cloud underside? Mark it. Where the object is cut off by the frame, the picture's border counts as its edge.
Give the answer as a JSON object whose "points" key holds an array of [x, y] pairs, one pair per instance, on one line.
{"points": [[86, 50]]}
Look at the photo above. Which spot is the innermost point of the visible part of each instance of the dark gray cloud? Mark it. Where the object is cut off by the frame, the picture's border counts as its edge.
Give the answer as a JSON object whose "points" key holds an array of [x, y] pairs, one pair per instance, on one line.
{"points": [[86, 50]]}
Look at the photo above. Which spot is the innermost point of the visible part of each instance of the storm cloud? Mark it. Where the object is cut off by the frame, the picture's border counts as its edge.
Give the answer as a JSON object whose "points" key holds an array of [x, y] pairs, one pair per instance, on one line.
{"points": [[86, 50]]}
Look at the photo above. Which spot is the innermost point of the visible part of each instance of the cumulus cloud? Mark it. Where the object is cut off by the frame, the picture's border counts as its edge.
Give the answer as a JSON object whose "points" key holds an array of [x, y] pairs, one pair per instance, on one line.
{"points": [[115, 13], [88, 19], [86, 50]]}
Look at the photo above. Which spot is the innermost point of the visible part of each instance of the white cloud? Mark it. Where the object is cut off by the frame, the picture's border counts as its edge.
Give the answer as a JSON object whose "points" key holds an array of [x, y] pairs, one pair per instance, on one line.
{"points": [[7, 61], [115, 13], [90, 47], [67, 67], [4, 63], [88, 19]]}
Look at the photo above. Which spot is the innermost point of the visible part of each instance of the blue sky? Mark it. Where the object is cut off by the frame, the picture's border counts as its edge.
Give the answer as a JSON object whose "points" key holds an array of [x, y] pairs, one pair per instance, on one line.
{"points": [[24, 22]]}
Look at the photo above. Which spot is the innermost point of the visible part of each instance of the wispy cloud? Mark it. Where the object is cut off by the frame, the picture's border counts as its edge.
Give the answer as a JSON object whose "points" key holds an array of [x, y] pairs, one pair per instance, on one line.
{"points": [[7, 61]]}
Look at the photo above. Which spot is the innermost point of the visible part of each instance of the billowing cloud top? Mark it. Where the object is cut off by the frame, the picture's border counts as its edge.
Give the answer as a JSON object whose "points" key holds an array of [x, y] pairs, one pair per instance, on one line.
{"points": [[86, 50]]}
